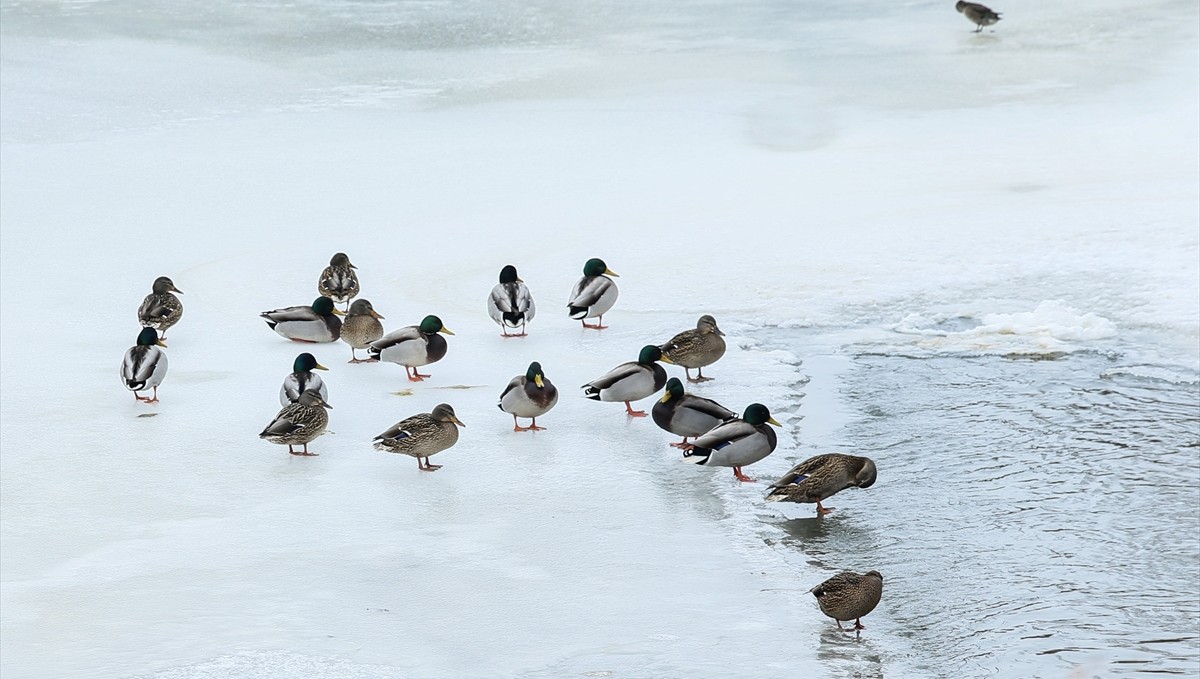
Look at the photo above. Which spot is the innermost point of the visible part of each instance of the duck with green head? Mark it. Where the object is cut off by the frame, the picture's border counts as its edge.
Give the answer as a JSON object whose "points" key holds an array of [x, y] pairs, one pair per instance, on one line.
{"points": [[510, 305], [630, 381], [299, 423], [361, 327], [145, 365], [422, 435], [161, 310], [687, 414], [530, 395], [412, 346], [820, 477], [338, 281], [302, 379], [318, 322], [736, 443], [594, 294]]}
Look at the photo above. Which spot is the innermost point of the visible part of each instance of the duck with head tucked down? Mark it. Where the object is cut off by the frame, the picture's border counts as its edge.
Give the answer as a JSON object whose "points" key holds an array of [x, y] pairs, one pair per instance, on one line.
{"points": [[630, 381], [820, 477], [530, 395], [422, 435], [299, 423], [696, 348], [316, 323], [412, 346], [737, 443], [978, 14], [161, 310], [687, 414], [594, 294], [361, 328], [849, 596], [302, 379], [510, 305], [145, 365], [338, 281]]}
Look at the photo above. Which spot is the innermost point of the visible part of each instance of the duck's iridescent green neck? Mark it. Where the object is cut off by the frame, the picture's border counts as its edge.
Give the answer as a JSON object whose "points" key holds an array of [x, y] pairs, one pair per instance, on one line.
{"points": [[675, 387], [148, 337]]}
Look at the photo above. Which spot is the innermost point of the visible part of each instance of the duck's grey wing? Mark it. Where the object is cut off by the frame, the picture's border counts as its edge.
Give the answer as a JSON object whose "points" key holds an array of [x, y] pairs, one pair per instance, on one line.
{"points": [[615, 375], [515, 383], [291, 313], [708, 407], [139, 365], [725, 433], [589, 290], [409, 332]]}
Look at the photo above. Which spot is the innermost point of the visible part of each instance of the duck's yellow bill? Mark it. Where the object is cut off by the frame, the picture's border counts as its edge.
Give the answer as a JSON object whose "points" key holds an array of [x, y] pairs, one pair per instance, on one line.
{"points": [[774, 422], [319, 367], [666, 397], [537, 379], [448, 331], [610, 272], [664, 359], [338, 312]]}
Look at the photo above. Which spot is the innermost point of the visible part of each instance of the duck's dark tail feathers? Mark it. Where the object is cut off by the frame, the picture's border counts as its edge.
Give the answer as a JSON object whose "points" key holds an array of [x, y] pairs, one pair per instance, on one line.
{"points": [[513, 319], [697, 455], [591, 392], [577, 312]]}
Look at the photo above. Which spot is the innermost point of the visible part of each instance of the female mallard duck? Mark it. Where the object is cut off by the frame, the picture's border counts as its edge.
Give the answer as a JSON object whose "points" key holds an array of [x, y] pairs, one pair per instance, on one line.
{"points": [[422, 435], [412, 346], [360, 328], [631, 381], [736, 443], [686, 414], [820, 477], [145, 365], [977, 14], [530, 395], [594, 294], [849, 596], [299, 422], [696, 348], [302, 379], [161, 310], [316, 323], [510, 303], [338, 281]]}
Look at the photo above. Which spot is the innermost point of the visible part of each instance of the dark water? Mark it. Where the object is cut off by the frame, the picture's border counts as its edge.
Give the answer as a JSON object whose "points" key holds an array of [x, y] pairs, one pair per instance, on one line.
{"points": [[1032, 517]]}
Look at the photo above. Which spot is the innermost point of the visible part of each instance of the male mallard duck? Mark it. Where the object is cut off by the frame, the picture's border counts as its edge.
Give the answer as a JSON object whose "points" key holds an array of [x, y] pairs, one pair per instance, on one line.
{"points": [[849, 596], [687, 414], [161, 310], [977, 13], [510, 303], [630, 381], [412, 346], [422, 435], [145, 365], [530, 395], [299, 422], [594, 294], [360, 328], [820, 477], [302, 379], [736, 443], [338, 281], [316, 323], [696, 348]]}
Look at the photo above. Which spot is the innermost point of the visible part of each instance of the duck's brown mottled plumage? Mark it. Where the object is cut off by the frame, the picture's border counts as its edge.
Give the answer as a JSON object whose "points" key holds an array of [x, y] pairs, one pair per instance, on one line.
{"points": [[978, 14], [161, 310], [361, 328], [849, 596], [822, 476], [338, 281], [422, 435], [696, 348], [299, 423]]}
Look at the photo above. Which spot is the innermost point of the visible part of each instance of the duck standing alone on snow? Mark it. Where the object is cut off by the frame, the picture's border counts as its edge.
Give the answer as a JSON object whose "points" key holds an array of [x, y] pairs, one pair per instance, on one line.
{"points": [[145, 365], [302, 379], [510, 303], [530, 395], [412, 346], [161, 310], [593, 294], [630, 381], [422, 435], [977, 14], [299, 423], [736, 443], [338, 281], [360, 328], [822, 476], [687, 414], [316, 323], [696, 348], [849, 596]]}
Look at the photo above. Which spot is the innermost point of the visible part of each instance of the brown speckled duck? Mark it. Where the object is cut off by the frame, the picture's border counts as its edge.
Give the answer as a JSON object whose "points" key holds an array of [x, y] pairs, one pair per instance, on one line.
{"points": [[696, 348], [161, 310], [978, 14], [338, 281], [422, 435], [820, 477], [849, 596], [361, 328], [299, 423]]}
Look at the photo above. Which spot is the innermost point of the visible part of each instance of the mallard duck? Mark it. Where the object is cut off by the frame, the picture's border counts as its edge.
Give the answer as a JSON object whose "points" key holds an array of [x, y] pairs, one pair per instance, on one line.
{"points": [[338, 281], [530, 395], [687, 414], [302, 379], [820, 477], [977, 13], [736, 443], [696, 348], [510, 303], [145, 365], [422, 435], [631, 381], [412, 346], [316, 323], [360, 328], [594, 294], [299, 422], [849, 596], [161, 310]]}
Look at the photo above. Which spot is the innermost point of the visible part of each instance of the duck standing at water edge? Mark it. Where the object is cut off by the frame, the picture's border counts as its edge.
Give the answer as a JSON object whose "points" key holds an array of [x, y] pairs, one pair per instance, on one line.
{"points": [[820, 477], [687, 414], [736, 443], [849, 596], [977, 14], [696, 348]]}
